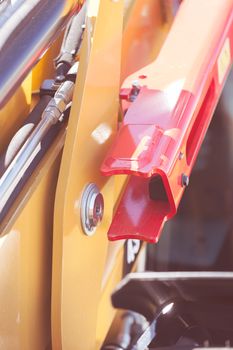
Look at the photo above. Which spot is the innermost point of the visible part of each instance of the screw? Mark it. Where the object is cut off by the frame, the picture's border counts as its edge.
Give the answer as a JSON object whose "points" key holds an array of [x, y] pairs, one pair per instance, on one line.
{"points": [[92, 209], [184, 180]]}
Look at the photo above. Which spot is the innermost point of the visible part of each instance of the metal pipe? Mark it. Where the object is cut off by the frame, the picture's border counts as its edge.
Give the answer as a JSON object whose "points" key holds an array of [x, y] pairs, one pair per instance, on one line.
{"points": [[18, 166], [27, 29], [31, 147]]}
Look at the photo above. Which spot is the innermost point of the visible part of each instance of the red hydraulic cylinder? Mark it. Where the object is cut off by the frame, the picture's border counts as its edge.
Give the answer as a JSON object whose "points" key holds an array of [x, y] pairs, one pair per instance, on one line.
{"points": [[168, 106]]}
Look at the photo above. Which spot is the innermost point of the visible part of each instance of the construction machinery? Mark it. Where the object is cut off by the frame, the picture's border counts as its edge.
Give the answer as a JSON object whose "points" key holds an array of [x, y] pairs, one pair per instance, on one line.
{"points": [[116, 189]]}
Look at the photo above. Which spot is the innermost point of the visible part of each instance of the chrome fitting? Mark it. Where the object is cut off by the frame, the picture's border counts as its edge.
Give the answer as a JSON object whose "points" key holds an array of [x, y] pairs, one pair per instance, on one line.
{"points": [[58, 104], [92, 209]]}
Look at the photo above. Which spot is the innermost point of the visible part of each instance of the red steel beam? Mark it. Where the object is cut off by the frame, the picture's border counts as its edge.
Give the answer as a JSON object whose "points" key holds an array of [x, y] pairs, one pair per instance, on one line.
{"points": [[168, 111]]}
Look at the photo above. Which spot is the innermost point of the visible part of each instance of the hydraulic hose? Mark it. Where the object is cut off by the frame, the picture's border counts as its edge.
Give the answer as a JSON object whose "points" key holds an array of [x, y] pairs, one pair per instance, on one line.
{"points": [[17, 167], [71, 43], [27, 29]]}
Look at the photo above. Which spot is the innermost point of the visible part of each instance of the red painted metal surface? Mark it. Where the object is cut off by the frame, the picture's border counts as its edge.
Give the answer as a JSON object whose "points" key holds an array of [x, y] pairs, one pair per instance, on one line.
{"points": [[163, 128]]}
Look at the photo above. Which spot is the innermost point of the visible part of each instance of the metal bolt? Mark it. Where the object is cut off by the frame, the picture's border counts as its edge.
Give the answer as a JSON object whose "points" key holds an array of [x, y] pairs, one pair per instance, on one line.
{"points": [[184, 180], [135, 90], [92, 209], [181, 155]]}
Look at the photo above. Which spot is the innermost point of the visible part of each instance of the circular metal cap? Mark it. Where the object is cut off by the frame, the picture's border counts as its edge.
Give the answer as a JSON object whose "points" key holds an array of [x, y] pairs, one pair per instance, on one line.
{"points": [[92, 209]]}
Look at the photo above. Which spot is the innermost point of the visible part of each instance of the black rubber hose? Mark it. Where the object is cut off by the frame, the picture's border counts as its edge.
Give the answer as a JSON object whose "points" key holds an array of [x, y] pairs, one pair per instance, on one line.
{"points": [[71, 43]]}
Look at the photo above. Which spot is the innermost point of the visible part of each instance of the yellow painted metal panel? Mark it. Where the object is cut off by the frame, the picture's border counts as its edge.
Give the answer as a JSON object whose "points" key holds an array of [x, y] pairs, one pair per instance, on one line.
{"points": [[86, 269], [15, 112], [25, 289], [79, 260], [106, 312]]}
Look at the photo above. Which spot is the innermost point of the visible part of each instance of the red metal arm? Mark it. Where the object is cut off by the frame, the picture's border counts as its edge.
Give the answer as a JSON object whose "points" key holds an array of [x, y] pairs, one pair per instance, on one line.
{"points": [[167, 117]]}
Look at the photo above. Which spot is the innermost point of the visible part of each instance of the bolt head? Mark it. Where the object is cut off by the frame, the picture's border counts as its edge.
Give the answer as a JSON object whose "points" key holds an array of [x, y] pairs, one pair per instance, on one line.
{"points": [[184, 180], [136, 84], [95, 209], [92, 209], [135, 90], [181, 155]]}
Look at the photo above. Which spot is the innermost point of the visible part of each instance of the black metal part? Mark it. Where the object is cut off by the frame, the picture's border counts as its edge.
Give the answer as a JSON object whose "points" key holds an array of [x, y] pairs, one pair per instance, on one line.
{"points": [[49, 87], [184, 180], [134, 91], [147, 292], [71, 44], [181, 306], [27, 29]]}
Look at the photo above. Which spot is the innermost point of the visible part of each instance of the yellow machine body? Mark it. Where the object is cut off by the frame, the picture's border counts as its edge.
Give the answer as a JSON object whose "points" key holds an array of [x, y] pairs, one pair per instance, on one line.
{"points": [[56, 281]]}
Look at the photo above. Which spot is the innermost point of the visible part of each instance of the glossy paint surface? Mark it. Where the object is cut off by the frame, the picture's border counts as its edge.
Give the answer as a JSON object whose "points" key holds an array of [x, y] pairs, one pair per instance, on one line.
{"points": [[163, 129], [79, 260]]}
